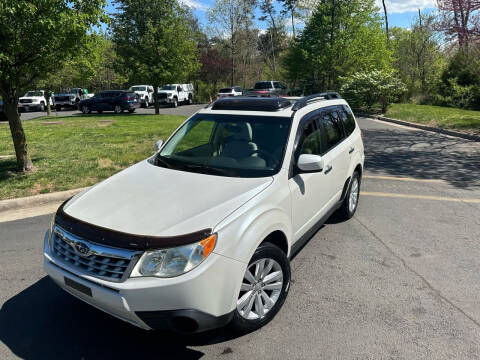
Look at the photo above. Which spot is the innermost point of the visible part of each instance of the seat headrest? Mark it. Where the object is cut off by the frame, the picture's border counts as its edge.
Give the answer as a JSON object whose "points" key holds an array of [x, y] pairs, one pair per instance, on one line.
{"points": [[240, 131]]}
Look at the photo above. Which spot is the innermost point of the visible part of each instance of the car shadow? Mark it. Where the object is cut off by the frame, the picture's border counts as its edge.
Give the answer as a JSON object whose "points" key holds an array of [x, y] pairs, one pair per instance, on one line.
{"points": [[423, 155], [44, 322]]}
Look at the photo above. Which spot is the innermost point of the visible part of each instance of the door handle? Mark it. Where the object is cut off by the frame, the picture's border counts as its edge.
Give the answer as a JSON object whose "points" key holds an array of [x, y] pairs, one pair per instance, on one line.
{"points": [[328, 169], [351, 149]]}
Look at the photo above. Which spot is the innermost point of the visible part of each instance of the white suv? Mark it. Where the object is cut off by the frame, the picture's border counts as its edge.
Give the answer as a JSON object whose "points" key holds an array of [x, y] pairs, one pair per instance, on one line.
{"points": [[200, 234]]}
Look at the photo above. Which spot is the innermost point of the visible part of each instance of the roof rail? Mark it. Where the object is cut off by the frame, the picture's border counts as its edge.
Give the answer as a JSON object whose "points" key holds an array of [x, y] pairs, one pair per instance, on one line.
{"points": [[331, 95]]}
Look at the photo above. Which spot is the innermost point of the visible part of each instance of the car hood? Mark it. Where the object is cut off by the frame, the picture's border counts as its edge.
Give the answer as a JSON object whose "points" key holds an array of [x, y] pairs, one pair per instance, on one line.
{"points": [[154, 201], [31, 97], [166, 91]]}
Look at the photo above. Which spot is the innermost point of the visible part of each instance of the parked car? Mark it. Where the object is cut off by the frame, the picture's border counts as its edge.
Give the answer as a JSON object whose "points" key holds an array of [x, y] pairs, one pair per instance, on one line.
{"points": [[145, 92], [265, 87], [111, 100], [173, 94], [34, 100], [71, 98], [3, 115], [230, 91], [200, 234]]}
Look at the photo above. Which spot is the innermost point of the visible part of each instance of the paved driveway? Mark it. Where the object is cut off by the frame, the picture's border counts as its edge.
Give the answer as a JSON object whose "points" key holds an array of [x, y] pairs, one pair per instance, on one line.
{"points": [[398, 281]]}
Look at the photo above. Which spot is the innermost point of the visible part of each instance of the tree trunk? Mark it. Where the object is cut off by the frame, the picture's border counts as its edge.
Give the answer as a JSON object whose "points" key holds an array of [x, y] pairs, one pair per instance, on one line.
{"points": [[48, 95], [386, 21], [24, 163], [293, 25], [155, 99]]}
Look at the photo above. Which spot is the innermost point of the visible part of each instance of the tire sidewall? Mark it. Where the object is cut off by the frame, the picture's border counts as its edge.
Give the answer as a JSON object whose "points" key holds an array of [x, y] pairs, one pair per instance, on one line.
{"points": [[347, 197], [271, 251]]}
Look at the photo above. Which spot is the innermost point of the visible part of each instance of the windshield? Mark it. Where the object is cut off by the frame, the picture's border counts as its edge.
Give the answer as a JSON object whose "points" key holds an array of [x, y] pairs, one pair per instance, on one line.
{"points": [[168, 87], [227, 145], [138, 88], [33, 93], [263, 85], [226, 90]]}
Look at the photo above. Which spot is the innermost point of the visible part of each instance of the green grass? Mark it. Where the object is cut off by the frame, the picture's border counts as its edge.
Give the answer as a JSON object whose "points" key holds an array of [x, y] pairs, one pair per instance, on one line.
{"points": [[442, 117], [80, 151]]}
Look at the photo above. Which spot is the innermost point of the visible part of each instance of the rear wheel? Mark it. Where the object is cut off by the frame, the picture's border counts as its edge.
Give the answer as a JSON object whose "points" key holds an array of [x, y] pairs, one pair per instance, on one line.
{"points": [[174, 102], [146, 103], [58, 108], [264, 288], [99, 111], [190, 100], [131, 110], [350, 203], [85, 109], [117, 109], [42, 106]]}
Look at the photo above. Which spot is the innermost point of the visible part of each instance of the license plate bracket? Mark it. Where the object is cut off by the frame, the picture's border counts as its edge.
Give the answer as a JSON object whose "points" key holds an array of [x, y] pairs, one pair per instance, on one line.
{"points": [[77, 286]]}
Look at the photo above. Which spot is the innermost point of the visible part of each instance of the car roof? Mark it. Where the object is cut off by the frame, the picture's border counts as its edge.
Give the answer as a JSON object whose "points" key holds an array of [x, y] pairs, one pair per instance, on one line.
{"points": [[272, 106]]}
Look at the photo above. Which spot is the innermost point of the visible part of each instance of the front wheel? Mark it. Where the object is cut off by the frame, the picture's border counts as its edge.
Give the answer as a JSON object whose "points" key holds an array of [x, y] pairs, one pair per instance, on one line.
{"points": [[42, 106], [131, 110], [146, 104], [264, 288], [117, 109], [85, 109], [174, 102], [350, 203]]}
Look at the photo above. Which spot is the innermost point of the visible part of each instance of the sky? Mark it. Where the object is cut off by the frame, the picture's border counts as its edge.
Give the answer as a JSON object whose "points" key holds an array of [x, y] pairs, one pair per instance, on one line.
{"points": [[401, 12]]}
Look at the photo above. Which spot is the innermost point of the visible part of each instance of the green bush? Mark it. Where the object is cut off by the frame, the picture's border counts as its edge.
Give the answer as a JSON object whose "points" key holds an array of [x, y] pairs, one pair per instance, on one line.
{"points": [[365, 89]]}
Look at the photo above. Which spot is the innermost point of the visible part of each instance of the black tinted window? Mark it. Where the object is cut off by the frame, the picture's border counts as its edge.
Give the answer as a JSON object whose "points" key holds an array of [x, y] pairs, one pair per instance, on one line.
{"points": [[332, 133], [310, 140], [347, 119]]}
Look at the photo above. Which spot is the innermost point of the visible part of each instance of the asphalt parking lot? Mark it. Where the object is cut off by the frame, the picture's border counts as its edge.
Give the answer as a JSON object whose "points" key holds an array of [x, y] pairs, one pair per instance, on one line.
{"points": [[400, 280], [184, 110]]}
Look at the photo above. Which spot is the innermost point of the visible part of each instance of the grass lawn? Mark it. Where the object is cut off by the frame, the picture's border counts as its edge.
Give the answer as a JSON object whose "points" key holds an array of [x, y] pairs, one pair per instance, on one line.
{"points": [[77, 151], [442, 117]]}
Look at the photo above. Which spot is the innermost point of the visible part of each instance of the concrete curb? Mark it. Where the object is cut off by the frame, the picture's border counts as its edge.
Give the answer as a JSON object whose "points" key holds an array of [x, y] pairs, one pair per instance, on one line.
{"points": [[426, 127], [37, 200]]}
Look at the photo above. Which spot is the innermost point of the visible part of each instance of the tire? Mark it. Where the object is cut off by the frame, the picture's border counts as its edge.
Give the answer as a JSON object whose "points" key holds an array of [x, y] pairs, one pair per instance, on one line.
{"points": [[190, 100], [146, 104], [86, 110], [42, 106], [117, 109], [174, 103], [250, 313], [99, 111], [58, 108], [350, 203], [131, 110]]}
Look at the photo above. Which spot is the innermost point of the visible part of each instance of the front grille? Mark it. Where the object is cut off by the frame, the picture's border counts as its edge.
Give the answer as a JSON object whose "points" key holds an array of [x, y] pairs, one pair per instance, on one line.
{"points": [[62, 98], [162, 96], [26, 101], [100, 261]]}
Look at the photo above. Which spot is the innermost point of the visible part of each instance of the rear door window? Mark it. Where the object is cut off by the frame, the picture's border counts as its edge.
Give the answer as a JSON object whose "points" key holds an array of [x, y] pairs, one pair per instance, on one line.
{"points": [[347, 119], [331, 131]]}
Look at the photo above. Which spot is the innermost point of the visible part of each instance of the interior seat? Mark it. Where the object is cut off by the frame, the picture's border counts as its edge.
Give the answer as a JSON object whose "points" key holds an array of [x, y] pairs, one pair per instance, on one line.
{"points": [[239, 145]]}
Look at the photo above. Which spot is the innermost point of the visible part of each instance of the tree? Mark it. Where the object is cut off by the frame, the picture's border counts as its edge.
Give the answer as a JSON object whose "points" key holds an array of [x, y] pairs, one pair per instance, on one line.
{"points": [[418, 55], [365, 89], [290, 7], [228, 18], [459, 20], [35, 36], [154, 42], [342, 37]]}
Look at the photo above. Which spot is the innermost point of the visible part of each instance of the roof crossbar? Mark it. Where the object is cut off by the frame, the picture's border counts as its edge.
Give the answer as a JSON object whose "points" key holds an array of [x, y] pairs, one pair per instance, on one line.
{"points": [[331, 95]]}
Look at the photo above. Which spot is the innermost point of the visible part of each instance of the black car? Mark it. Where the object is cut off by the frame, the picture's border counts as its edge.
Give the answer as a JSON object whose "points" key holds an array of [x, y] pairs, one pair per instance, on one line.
{"points": [[111, 100]]}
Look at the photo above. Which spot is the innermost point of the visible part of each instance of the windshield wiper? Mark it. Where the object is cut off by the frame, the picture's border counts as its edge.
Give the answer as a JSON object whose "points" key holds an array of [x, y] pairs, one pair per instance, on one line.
{"points": [[160, 160], [208, 169]]}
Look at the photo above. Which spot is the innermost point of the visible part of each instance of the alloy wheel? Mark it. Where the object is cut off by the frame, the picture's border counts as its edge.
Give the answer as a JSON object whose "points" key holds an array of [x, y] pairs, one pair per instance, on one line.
{"points": [[261, 288], [117, 109]]}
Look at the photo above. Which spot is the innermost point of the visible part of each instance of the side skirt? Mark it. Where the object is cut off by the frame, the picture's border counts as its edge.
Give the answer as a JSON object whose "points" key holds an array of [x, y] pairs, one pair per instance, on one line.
{"points": [[300, 243]]}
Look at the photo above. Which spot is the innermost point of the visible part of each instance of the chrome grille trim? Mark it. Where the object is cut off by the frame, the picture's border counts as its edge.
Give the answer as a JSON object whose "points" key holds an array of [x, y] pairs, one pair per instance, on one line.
{"points": [[103, 262]]}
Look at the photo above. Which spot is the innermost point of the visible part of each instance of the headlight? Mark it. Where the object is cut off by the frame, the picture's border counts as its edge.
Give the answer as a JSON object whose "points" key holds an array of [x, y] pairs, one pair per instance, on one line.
{"points": [[174, 261]]}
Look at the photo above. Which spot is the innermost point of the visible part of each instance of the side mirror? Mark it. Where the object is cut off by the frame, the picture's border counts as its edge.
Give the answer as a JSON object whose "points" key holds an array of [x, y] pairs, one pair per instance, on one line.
{"points": [[310, 163], [158, 145]]}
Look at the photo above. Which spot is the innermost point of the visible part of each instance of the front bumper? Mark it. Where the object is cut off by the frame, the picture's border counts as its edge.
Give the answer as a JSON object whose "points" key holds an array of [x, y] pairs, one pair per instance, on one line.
{"points": [[199, 300], [29, 107], [65, 103]]}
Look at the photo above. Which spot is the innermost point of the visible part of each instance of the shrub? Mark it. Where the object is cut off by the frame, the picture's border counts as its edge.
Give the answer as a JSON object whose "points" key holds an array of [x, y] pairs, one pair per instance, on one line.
{"points": [[365, 89]]}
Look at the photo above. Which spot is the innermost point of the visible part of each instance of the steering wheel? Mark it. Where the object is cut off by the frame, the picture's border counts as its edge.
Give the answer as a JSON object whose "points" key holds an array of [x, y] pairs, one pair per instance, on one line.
{"points": [[270, 158]]}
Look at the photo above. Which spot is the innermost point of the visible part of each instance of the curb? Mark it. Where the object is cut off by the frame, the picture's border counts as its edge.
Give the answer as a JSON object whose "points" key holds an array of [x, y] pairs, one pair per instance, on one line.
{"points": [[426, 127], [38, 200]]}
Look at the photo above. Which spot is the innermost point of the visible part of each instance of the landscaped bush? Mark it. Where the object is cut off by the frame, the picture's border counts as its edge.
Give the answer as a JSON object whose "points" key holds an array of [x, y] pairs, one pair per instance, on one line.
{"points": [[366, 89]]}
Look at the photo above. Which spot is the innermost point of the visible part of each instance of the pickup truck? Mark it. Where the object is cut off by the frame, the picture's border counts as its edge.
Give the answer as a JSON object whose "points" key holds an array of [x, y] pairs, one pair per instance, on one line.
{"points": [[145, 92], [173, 94], [70, 98], [33, 100]]}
